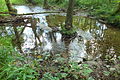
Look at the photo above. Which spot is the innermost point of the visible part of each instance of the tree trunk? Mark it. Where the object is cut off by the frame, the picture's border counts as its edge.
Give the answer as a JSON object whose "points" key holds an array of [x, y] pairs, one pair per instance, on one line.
{"points": [[57, 1], [45, 5], [69, 17], [117, 10], [11, 10], [32, 2]]}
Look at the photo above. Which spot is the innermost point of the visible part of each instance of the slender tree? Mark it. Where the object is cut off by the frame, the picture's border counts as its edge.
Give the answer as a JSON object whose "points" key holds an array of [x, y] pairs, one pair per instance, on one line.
{"points": [[32, 2], [11, 10], [45, 4], [118, 9], [69, 17]]}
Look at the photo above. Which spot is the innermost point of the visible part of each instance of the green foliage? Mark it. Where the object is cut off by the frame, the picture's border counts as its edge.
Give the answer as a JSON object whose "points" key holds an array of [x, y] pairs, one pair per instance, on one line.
{"points": [[6, 50], [86, 70], [11, 72], [13, 65], [90, 3], [39, 2], [48, 76], [68, 32], [5, 55], [72, 71], [60, 3], [3, 6], [101, 9], [18, 2], [106, 73], [5, 41]]}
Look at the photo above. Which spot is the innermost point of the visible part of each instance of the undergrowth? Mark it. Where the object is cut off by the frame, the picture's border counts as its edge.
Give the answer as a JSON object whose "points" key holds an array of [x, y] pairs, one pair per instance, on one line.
{"points": [[14, 66]]}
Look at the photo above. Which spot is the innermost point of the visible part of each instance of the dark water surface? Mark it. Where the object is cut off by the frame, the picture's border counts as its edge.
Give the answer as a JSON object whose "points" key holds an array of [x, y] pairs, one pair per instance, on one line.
{"points": [[41, 35]]}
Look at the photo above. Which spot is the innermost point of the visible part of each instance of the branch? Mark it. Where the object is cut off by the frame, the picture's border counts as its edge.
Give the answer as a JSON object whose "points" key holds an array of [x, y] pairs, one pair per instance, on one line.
{"points": [[29, 13]]}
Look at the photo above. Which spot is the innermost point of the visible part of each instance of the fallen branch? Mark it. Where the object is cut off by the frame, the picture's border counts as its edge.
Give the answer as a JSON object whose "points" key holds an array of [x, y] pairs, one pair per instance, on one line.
{"points": [[13, 19], [39, 13], [29, 13]]}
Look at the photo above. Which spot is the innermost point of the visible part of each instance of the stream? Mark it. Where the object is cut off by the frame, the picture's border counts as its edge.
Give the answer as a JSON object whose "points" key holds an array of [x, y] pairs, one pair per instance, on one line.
{"points": [[41, 36]]}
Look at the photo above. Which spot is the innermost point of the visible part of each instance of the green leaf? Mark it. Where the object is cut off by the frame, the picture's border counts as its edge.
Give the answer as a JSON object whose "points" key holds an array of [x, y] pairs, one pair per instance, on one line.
{"points": [[30, 76], [64, 75], [85, 65], [24, 76], [90, 78], [76, 77], [10, 75], [106, 73], [86, 72], [18, 78], [66, 69]]}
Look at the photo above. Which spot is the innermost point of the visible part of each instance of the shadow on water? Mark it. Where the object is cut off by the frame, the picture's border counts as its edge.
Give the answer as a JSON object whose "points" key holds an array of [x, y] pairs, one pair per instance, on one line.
{"points": [[40, 35]]}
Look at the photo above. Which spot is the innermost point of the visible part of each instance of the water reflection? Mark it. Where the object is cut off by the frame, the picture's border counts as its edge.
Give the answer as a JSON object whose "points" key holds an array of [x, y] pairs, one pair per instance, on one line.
{"points": [[39, 35]]}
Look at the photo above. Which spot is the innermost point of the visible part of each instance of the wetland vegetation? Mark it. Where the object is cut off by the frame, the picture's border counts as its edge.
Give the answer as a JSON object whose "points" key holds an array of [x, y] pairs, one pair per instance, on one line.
{"points": [[59, 40]]}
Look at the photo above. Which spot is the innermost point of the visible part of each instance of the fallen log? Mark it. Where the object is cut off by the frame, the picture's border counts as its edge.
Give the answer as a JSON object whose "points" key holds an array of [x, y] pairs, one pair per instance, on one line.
{"points": [[20, 17], [13, 19], [29, 13]]}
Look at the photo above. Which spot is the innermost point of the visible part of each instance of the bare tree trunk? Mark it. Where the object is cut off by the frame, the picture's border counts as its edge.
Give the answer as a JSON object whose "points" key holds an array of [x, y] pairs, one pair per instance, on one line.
{"points": [[11, 10], [69, 17], [45, 5]]}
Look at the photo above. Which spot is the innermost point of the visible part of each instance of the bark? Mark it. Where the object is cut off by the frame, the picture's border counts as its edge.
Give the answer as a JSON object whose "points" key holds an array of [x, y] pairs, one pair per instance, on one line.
{"points": [[10, 8], [69, 17], [45, 5], [17, 39]]}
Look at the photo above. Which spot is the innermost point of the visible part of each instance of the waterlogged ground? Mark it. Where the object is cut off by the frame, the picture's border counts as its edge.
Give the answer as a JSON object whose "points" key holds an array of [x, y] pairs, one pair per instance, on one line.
{"points": [[40, 35]]}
